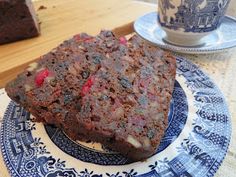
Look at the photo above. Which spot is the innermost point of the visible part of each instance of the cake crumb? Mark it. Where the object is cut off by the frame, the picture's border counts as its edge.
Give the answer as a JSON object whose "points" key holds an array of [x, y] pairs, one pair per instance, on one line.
{"points": [[42, 7]]}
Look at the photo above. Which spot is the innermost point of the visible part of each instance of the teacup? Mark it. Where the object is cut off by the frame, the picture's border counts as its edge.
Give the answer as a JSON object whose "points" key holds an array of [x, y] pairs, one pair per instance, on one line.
{"points": [[186, 22]]}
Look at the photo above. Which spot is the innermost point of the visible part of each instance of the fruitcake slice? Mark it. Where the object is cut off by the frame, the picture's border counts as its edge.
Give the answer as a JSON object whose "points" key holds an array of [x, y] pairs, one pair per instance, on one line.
{"points": [[103, 89]]}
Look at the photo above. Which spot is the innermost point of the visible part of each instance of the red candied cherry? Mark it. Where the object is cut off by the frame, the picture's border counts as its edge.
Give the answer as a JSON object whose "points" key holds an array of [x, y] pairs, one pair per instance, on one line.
{"points": [[41, 76], [87, 39], [87, 86], [77, 37], [83, 38], [123, 40]]}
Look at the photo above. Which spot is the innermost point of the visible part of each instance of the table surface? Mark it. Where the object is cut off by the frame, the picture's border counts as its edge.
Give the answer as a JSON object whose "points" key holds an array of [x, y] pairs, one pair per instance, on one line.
{"points": [[111, 14]]}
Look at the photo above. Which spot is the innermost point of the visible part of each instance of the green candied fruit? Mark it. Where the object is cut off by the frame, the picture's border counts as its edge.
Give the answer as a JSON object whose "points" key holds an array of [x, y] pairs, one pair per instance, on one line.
{"points": [[97, 59], [140, 111], [151, 133], [85, 74], [125, 83], [68, 98]]}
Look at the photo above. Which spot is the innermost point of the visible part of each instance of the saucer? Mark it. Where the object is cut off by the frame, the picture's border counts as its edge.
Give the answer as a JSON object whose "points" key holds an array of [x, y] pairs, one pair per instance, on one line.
{"points": [[223, 38]]}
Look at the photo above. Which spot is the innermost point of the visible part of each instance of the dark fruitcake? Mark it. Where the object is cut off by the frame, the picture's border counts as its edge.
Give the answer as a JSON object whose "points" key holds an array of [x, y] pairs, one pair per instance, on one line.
{"points": [[17, 20], [102, 89]]}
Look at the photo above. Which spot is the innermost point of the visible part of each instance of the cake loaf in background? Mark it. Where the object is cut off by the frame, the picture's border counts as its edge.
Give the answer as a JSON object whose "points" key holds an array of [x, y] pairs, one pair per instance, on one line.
{"points": [[17, 20]]}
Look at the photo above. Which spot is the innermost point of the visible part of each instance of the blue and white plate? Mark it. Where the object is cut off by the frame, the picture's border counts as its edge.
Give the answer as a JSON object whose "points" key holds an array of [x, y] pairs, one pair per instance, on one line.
{"points": [[223, 38], [194, 144]]}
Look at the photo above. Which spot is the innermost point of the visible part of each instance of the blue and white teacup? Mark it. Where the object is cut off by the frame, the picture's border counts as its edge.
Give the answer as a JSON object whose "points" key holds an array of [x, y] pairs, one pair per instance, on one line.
{"points": [[186, 22]]}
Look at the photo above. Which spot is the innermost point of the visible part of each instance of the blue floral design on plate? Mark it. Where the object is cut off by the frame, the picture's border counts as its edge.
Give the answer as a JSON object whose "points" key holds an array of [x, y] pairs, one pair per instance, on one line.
{"points": [[196, 147]]}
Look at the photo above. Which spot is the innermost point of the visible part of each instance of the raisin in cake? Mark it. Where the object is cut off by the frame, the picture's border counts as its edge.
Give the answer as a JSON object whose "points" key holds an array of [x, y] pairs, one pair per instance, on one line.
{"points": [[17, 20], [102, 89]]}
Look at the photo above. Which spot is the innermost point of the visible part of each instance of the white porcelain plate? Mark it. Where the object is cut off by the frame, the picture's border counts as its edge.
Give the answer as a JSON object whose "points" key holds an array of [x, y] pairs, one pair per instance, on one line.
{"points": [[194, 144], [223, 38]]}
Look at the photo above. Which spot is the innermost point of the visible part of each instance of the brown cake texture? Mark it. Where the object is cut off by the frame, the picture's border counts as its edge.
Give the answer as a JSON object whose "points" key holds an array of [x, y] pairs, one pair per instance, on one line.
{"points": [[17, 20], [102, 89]]}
